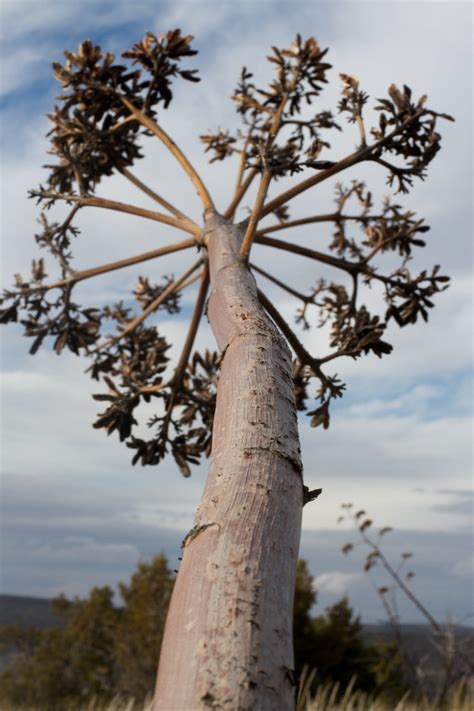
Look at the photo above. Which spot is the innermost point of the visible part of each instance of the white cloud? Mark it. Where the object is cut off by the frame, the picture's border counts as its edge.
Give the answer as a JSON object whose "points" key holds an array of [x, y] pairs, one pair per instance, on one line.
{"points": [[27, 38], [337, 582], [84, 550], [464, 568], [376, 452], [411, 401]]}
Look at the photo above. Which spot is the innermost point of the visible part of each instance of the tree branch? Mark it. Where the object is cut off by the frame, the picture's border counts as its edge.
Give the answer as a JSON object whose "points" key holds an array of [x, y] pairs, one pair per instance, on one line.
{"points": [[337, 354], [304, 356], [358, 156], [188, 344], [266, 178], [330, 217], [243, 156], [282, 285], [120, 207], [289, 334], [361, 127], [173, 287], [112, 266], [152, 126], [256, 213], [393, 168], [382, 243], [164, 203], [193, 328], [176, 380], [350, 267], [322, 175], [229, 213], [240, 171]]}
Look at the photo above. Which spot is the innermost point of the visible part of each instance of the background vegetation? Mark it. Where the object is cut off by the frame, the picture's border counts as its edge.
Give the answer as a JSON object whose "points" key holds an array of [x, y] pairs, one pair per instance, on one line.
{"points": [[101, 650]]}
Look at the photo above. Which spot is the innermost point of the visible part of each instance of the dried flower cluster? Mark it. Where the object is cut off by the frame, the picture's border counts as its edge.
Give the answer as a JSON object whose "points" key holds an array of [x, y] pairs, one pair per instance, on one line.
{"points": [[405, 129], [301, 74], [92, 133], [103, 110], [132, 370]]}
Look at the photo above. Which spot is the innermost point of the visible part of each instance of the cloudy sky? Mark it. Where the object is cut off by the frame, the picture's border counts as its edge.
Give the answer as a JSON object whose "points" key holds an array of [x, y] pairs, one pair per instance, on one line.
{"points": [[75, 513]]}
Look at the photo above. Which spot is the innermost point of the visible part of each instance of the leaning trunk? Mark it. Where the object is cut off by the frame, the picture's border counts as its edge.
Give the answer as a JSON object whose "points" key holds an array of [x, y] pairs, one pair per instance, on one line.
{"points": [[228, 637]]}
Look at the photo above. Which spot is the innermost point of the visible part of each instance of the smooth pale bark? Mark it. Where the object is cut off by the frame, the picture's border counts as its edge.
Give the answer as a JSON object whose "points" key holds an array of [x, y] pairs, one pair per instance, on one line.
{"points": [[228, 636]]}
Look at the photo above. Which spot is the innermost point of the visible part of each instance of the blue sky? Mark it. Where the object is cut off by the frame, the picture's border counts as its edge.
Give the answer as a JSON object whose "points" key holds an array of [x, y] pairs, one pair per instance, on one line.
{"points": [[75, 513]]}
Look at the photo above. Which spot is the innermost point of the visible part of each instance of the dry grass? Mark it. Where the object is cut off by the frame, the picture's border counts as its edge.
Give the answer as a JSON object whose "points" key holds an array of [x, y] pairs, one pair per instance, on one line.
{"points": [[328, 698], [94, 705], [460, 699]]}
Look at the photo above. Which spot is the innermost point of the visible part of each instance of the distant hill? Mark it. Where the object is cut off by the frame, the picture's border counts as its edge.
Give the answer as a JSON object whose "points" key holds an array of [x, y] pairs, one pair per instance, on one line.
{"points": [[27, 611], [383, 630]]}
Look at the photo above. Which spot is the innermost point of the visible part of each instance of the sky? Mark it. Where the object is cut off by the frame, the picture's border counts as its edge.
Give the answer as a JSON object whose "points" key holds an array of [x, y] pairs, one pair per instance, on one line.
{"points": [[75, 513]]}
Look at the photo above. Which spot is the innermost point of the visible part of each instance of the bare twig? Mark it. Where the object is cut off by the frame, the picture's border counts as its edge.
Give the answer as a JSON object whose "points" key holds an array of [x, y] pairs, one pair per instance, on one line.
{"points": [[337, 354], [393, 573], [120, 124], [66, 267], [393, 168], [383, 243]]}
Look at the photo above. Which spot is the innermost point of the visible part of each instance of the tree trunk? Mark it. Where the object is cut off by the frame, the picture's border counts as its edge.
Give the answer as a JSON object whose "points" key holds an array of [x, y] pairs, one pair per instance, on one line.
{"points": [[228, 636]]}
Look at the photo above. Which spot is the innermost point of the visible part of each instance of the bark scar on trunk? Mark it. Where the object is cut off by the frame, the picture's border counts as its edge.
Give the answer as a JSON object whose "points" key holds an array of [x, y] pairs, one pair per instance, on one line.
{"points": [[238, 336], [195, 531], [294, 461]]}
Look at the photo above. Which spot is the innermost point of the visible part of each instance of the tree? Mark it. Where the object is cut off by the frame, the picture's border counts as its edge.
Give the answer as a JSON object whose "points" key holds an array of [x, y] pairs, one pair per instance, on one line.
{"points": [[333, 646], [228, 633], [99, 651], [146, 600], [57, 665]]}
